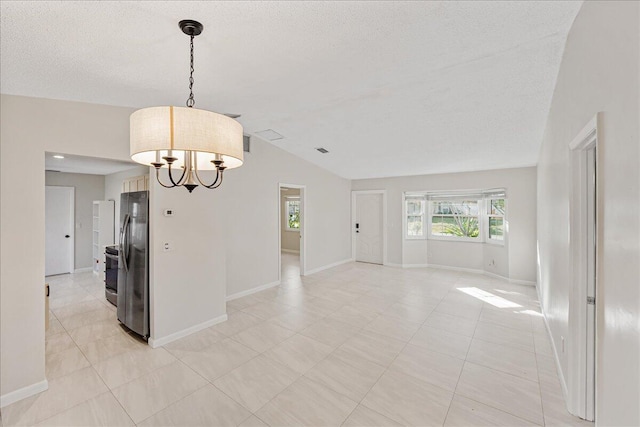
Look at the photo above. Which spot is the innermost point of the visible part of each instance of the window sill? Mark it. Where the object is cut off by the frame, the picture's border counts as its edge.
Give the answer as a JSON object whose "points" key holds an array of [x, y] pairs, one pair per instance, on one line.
{"points": [[455, 239]]}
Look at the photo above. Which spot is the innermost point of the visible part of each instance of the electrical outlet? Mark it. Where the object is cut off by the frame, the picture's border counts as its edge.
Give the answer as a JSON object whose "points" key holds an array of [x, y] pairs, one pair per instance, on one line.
{"points": [[167, 246]]}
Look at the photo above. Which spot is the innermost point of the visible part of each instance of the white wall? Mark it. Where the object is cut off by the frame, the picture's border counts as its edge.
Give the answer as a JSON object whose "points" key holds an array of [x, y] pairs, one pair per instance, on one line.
{"points": [[599, 73], [31, 126], [113, 189], [250, 195], [87, 189], [515, 260], [289, 239], [243, 212], [189, 282]]}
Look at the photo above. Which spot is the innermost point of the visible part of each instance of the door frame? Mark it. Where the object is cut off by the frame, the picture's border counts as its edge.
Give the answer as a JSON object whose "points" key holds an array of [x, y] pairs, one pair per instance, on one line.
{"points": [[303, 227], [354, 194], [584, 317], [72, 222]]}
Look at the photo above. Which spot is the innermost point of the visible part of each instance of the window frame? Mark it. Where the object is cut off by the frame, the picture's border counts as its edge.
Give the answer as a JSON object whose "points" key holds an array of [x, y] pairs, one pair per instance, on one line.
{"points": [[479, 239], [425, 204], [287, 201], [483, 197], [488, 216]]}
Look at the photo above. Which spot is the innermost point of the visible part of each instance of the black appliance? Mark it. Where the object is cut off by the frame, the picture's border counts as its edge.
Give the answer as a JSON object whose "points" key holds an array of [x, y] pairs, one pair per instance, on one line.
{"points": [[133, 265], [111, 274]]}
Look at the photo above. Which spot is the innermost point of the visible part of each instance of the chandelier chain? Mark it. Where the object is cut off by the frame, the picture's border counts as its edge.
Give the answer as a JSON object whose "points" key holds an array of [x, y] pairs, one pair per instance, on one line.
{"points": [[191, 101]]}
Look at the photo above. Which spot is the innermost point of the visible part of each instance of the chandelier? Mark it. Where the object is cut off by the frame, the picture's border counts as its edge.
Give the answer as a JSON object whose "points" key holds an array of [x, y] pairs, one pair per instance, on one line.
{"points": [[186, 140]]}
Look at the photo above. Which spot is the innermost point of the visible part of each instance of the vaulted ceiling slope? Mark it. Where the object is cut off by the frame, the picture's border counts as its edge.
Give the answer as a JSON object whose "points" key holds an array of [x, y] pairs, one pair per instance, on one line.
{"points": [[389, 88]]}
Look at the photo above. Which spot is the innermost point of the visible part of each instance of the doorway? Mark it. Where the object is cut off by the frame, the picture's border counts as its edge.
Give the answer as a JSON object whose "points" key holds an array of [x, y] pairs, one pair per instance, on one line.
{"points": [[59, 230], [369, 226], [291, 231], [584, 248]]}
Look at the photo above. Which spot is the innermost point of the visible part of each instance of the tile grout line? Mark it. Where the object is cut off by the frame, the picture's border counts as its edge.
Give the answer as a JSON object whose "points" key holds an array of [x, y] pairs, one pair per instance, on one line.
{"points": [[463, 365], [483, 403]]}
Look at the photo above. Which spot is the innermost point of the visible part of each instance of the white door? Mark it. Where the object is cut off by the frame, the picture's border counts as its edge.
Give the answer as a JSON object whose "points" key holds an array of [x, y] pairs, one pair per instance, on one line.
{"points": [[59, 207], [369, 242]]}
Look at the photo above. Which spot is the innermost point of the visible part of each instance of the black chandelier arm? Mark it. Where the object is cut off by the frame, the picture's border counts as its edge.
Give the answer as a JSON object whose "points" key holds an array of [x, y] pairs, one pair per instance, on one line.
{"points": [[212, 185], [175, 184], [220, 183], [160, 182]]}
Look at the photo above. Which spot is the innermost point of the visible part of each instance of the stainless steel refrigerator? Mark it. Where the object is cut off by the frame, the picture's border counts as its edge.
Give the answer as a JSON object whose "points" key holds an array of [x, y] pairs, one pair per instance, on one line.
{"points": [[133, 265]]}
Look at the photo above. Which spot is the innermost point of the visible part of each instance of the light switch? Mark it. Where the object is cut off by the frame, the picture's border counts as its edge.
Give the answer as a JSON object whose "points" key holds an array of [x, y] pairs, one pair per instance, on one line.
{"points": [[167, 246]]}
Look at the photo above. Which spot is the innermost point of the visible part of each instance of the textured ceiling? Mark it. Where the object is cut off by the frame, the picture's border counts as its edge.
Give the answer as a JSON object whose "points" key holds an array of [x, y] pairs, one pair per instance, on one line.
{"points": [[389, 88]]}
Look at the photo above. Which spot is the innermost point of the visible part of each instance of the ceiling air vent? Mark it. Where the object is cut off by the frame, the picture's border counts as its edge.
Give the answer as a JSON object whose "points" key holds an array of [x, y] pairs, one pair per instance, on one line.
{"points": [[246, 143], [322, 150], [269, 135]]}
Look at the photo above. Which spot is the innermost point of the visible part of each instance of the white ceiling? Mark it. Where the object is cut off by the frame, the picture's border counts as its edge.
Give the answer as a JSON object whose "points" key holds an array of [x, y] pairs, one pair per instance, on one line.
{"points": [[81, 164], [389, 88]]}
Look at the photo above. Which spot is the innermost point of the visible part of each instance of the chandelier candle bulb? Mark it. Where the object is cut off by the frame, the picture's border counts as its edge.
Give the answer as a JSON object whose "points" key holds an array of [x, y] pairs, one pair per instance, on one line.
{"points": [[186, 138]]}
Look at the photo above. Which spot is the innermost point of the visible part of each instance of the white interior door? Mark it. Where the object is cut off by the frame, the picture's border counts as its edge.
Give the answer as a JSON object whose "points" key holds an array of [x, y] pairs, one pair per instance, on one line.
{"points": [[59, 207], [369, 239]]}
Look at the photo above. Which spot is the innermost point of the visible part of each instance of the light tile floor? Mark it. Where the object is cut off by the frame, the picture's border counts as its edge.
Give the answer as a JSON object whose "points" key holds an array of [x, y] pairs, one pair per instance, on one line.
{"points": [[357, 345]]}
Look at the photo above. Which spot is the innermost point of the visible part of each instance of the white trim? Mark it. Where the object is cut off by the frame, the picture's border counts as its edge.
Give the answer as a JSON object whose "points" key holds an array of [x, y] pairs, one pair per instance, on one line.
{"points": [[82, 270], [158, 342], [328, 266], [417, 266], [289, 251], [23, 393], [579, 387], [392, 264], [354, 194], [523, 282], [302, 230], [587, 135], [513, 281], [563, 382], [252, 290], [462, 269]]}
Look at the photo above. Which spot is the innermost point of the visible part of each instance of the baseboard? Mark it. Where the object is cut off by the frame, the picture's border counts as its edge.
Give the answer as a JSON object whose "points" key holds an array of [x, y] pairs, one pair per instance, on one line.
{"points": [[563, 383], [290, 251], [464, 270], [393, 264], [83, 269], [328, 266], [23, 393], [417, 266], [252, 290], [159, 342], [512, 281], [452, 268], [522, 282]]}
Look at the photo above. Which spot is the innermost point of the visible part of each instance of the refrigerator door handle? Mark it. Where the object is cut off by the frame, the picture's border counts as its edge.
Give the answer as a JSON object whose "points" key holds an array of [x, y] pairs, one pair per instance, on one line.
{"points": [[124, 244]]}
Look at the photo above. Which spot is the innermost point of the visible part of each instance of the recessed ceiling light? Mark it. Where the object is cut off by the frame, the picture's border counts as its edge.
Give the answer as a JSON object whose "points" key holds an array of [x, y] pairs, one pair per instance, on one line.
{"points": [[58, 156], [269, 135]]}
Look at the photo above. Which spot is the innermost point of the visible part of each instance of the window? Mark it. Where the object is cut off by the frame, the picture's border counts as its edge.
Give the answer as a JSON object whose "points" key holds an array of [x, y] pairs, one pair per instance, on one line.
{"points": [[495, 218], [292, 208], [455, 218], [415, 208], [476, 216]]}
